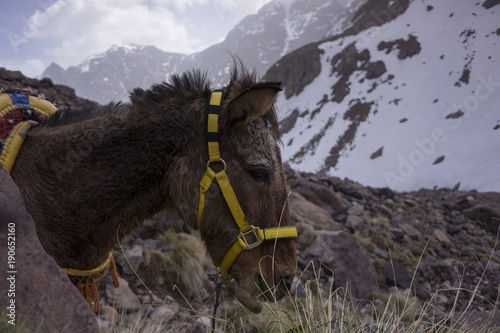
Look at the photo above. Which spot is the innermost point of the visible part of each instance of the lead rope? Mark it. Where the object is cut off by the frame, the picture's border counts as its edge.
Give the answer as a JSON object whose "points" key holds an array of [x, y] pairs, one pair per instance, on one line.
{"points": [[218, 286]]}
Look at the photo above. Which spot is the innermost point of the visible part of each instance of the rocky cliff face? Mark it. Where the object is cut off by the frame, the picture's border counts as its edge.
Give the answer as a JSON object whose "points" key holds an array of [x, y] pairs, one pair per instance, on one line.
{"points": [[405, 98], [37, 295], [62, 96]]}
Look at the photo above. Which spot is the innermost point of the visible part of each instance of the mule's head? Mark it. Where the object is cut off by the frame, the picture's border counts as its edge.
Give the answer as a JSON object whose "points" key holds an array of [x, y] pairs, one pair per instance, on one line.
{"points": [[249, 146]]}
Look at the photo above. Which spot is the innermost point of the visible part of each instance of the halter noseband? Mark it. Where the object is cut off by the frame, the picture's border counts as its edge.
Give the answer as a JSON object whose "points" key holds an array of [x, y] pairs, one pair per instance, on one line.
{"points": [[246, 230]]}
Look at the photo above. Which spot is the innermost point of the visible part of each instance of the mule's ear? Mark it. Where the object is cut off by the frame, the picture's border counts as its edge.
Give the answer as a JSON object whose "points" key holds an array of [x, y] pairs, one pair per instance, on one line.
{"points": [[253, 102]]}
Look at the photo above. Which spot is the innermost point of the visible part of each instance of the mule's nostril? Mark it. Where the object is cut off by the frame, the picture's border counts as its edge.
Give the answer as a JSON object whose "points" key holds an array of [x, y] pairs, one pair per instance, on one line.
{"points": [[287, 282], [262, 283]]}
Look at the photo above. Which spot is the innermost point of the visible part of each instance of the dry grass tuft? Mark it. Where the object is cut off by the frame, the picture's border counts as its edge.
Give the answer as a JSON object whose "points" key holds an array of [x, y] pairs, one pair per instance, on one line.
{"points": [[184, 260]]}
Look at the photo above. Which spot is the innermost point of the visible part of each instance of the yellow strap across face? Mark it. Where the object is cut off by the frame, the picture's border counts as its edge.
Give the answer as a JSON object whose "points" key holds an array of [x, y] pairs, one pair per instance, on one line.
{"points": [[266, 234], [227, 192], [280, 233], [230, 257], [257, 235], [214, 107], [205, 183], [231, 200]]}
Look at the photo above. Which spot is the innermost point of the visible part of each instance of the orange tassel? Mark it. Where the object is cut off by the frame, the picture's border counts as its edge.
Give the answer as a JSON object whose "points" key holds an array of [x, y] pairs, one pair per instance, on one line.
{"points": [[87, 294], [97, 306], [112, 266], [84, 285], [79, 286]]}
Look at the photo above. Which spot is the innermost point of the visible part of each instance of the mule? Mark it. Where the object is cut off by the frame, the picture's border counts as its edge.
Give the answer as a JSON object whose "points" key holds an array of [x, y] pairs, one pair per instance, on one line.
{"points": [[91, 175]]}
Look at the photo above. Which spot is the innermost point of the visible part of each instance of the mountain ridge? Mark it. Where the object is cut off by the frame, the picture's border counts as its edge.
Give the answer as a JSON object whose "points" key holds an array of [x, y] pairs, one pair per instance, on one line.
{"points": [[259, 40], [405, 104]]}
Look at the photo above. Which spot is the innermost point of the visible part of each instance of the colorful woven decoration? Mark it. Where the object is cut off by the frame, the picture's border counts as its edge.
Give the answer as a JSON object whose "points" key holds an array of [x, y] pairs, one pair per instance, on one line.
{"points": [[85, 280], [18, 112]]}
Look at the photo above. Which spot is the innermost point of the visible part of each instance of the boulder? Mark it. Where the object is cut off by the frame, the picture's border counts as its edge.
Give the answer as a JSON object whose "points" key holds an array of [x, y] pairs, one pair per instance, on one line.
{"points": [[132, 260], [483, 207], [442, 270], [109, 314], [162, 314], [321, 195], [412, 232], [396, 275], [351, 265], [442, 237], [305, 208], [353, 190], [45, 299], [122, 297]]}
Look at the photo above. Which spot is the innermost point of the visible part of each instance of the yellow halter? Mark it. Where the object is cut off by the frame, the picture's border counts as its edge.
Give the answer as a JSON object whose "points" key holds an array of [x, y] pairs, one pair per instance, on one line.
{"points": [[246, 229]]}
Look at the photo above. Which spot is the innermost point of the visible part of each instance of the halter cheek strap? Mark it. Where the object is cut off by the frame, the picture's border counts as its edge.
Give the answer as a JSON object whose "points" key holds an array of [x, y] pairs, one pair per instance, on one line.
{"points": [[250, 236]]}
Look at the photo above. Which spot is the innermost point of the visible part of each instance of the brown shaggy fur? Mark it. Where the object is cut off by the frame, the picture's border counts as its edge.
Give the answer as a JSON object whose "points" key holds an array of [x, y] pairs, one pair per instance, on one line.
{"points": [[91, 175]]}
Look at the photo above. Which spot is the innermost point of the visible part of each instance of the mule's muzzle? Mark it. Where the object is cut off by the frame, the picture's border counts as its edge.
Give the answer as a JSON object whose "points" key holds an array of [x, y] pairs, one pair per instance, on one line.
{"points": [[274, 293]]}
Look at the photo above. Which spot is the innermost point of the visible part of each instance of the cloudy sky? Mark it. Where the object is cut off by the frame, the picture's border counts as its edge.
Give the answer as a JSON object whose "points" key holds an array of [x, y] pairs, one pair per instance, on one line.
{"points": [[35, 33]]}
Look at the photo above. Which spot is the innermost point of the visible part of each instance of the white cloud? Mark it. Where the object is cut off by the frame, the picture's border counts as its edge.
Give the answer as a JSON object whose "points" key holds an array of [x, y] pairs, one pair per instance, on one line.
{"points": [[69, 31], [30, 68], [180, 4], [239, 8], [84, 28]]}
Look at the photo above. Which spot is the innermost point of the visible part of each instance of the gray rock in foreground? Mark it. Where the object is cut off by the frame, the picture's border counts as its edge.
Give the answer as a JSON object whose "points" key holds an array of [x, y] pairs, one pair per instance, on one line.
{"points": [[341, 254], [44, 297]]}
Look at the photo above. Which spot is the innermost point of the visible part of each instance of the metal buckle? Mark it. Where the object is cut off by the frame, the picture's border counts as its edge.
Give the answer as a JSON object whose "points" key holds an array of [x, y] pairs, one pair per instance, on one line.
{"points": [[219, 273], [221, 161], [254, 232]]}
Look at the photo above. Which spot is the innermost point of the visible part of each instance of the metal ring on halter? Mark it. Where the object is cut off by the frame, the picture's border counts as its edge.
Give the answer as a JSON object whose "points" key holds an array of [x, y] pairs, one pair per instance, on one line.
{"points": [[221, 160], [253, 231]]}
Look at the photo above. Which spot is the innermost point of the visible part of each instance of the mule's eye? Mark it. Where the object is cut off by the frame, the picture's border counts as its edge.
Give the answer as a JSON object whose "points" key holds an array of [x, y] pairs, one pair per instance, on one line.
{"points": [[260, 175]]}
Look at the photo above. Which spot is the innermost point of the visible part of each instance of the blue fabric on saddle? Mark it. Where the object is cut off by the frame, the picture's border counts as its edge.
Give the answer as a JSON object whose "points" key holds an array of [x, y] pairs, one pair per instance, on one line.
{"points": [[18, 112]]}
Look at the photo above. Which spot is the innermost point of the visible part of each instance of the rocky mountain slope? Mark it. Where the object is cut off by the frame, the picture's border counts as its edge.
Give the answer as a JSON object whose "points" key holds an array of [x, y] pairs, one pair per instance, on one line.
{"points": [[258, 40], [406, 98], [109, 76], [62, 96], [440, 247]]}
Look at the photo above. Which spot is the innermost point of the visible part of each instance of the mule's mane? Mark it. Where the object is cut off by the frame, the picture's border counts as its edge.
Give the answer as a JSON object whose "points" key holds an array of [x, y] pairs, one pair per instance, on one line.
{"points": [[184, 87], [79, 114]]}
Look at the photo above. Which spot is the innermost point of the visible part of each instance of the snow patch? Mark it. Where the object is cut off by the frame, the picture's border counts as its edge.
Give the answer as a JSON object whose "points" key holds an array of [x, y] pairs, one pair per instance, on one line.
{"points": [[423, 89]]}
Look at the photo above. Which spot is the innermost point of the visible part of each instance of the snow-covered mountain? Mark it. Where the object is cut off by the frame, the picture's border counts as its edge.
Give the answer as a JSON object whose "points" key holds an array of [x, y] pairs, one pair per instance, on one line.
{"points": [[407, 97], [258, 41], [108, 76]]}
